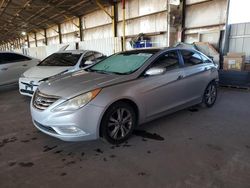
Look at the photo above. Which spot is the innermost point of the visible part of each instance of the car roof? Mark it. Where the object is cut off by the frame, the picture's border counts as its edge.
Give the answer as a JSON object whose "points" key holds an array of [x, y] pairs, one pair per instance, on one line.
{"points": [[75, 51], [10, 52], [143, 50], [155, 50]]}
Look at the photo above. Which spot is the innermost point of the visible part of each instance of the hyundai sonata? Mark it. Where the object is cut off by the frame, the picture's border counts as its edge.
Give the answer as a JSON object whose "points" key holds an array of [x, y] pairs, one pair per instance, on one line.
{"points": [[112, 97]]}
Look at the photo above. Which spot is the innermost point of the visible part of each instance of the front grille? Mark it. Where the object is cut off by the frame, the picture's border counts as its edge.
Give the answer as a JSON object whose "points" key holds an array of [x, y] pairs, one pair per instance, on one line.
{"points": [[30, 85], [42, 101], [46, 128], [27, 91]]}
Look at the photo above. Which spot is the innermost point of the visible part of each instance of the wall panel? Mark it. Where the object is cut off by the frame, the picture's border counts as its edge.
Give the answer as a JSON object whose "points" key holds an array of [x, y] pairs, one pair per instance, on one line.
{"points": [[206, 14], [239, 40]]}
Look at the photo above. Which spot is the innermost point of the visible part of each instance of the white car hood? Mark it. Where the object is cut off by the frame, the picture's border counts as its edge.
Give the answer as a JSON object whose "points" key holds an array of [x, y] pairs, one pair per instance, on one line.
{"points": [[44, 71]]}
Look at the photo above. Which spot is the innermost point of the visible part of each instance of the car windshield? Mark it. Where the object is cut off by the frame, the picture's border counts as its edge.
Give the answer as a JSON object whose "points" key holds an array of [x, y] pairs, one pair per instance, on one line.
{"points": [[125, 63], [61, 59]]}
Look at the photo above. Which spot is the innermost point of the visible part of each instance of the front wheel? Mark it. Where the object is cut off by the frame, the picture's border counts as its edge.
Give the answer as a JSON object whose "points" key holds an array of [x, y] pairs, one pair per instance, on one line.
{"points": [[118, 123], [210, 95]]}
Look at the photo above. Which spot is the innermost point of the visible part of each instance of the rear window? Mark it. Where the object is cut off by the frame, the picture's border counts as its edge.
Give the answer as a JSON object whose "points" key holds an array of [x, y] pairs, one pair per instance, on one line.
{"points": [[61, 59]]}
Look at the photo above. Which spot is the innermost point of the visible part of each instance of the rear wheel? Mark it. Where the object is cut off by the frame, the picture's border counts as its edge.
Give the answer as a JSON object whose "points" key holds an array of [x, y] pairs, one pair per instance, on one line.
{"points": [[118, 123], [210, 94]]}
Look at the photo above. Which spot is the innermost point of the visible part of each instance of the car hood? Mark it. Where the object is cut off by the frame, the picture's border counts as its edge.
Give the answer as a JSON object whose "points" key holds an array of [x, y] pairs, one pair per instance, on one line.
{"points": [[44, 71], [76, 83]]}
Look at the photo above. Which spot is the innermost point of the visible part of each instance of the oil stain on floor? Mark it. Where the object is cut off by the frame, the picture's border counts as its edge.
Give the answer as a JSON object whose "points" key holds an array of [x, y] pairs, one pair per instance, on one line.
{"points": [[144, 134]]}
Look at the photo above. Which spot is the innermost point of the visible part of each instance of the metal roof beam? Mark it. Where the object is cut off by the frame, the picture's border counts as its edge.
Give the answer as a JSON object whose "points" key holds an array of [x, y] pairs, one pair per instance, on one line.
{"points": [[42, 11], [20, 10], [2, 8], [55, 6]]}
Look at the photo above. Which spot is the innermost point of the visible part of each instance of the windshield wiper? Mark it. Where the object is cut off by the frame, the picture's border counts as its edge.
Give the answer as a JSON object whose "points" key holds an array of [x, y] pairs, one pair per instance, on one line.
{"points": [[106, 72], [118, 73], [102, 72], [88, 70], [98, 71], [125, 73]]}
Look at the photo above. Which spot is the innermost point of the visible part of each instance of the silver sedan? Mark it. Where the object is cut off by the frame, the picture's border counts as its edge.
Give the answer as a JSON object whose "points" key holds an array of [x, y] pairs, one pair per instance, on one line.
{"points": [[123, 91]]}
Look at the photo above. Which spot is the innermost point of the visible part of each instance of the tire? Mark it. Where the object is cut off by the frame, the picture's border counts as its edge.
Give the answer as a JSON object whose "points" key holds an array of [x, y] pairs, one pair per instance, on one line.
{"points": [[210, 94], [118, 123]]}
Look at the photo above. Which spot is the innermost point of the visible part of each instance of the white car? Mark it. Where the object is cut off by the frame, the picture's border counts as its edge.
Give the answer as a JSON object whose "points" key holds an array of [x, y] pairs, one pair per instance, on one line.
{"points": [[55, 64], [12, 65]]}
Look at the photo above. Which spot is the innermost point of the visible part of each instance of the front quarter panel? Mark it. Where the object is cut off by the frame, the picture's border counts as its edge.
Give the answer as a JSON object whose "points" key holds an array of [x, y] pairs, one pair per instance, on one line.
{"points": [[130, 90]]}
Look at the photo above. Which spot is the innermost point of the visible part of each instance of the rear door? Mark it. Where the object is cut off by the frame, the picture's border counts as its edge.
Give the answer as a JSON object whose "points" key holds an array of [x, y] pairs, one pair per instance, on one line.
{"points": [[23, 63], [3, 70], [164, 92], [196, 74], [12, 66], [7, 69]]}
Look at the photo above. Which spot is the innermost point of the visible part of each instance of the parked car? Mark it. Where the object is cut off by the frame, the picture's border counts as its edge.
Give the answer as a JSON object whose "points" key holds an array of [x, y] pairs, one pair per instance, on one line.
{"points": [[57, 63], [12, 65], [123, 91]]}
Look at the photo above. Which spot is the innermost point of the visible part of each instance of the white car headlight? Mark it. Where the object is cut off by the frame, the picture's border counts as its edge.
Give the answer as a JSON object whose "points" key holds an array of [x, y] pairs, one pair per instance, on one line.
{"points": [[77, 102]]}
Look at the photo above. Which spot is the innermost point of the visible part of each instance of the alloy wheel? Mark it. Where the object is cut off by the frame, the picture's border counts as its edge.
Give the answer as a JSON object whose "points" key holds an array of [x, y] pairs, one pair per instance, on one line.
{"points": [[210, 94], [120, 123]]}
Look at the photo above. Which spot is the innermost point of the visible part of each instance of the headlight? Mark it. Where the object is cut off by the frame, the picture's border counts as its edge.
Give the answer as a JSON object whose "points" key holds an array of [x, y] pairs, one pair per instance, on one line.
{"points": [[77, 102]]}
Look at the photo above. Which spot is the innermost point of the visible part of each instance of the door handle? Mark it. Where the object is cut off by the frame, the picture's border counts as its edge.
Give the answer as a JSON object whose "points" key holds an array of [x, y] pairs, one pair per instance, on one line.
{"points": [[4, 69], [180, 77], [205, 69], [24, 65]]}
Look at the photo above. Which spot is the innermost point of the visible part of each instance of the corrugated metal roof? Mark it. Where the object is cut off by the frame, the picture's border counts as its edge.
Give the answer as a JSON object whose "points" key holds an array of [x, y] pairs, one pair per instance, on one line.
{"points": [[30, 15]]}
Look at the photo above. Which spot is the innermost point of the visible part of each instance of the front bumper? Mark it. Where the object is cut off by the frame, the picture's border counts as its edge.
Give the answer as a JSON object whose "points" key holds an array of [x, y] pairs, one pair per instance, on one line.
{"points": [[28, 86], [86, 119]]}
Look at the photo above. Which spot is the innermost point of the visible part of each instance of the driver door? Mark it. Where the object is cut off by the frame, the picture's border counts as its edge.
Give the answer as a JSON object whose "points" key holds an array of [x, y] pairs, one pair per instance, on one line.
{"points": [[166, 91]]}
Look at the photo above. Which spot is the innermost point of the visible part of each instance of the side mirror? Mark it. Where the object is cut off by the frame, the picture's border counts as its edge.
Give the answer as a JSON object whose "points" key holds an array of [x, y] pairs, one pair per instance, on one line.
{"points": [[211, 57], [208, 61], [88, 62], [155, 71]]}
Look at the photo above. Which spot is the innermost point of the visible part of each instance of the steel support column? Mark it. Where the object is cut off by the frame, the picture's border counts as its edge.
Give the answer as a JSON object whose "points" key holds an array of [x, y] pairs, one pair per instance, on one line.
{"points": [[80, 29], [183, 29], [60, 33], [114, 15], [45, 37], [28, 40], [124, 25], [35, 39]]}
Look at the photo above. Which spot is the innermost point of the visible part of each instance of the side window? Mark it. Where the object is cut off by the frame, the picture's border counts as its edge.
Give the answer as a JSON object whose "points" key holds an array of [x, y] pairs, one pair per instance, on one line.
{"points": [[170, 61], [8, 58], [12, 58], [87, 57], [205, 59], [191, 58], [1, 58], [20, 57], [99, 56]]}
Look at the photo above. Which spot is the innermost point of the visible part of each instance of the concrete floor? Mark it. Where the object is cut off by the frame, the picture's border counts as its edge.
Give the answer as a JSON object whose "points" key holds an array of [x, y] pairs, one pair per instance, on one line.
{"points": [[202, 148]]}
